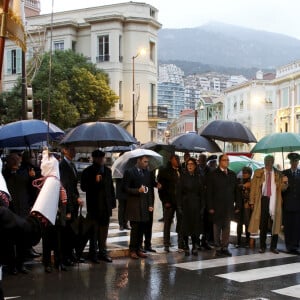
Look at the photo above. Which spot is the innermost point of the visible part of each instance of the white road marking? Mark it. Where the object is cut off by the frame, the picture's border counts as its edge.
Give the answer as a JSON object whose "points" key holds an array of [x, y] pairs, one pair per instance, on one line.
{"points": [[226, 261], [292, 291], [262, 273]]}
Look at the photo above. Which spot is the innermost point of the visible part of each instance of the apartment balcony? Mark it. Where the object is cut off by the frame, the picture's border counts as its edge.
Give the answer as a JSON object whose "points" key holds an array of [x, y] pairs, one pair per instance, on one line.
{"points": [[157, 113]]}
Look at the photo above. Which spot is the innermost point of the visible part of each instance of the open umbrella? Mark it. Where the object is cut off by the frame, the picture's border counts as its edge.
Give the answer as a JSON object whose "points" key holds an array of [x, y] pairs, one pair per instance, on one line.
{"points": [[228, 131], [27, 132], [164, 150], [278, 142], [237, 163], [98, 134], [194, 143], [128, 160]]}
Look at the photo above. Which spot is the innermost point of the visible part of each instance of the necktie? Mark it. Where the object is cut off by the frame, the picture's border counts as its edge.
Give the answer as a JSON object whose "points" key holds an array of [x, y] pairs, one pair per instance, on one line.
{"points": [[177, 172], [268, 184], [73, 168], [225, 171], [294, 173], [141, 172]]}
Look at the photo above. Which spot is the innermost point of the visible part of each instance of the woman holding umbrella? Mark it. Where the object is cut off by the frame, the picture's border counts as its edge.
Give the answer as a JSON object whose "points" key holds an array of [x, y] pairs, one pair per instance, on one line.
{"points": [[191, 203]]}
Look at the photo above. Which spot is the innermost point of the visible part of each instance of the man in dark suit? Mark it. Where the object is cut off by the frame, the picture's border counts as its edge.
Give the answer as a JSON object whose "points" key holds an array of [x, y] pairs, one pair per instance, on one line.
{"points": [[96, 181], [223, 199], [291, 205], [69, 180], [137, 183], [168, 179]]}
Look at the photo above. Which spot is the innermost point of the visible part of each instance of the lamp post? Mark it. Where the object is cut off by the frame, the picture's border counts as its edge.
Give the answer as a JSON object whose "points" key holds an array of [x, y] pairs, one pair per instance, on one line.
{"points": [[141, 52], [133, 95]]}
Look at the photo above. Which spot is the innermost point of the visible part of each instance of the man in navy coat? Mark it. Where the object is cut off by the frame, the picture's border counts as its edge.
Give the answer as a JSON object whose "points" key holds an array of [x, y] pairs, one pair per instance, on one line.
{"points": [[291, 205]]}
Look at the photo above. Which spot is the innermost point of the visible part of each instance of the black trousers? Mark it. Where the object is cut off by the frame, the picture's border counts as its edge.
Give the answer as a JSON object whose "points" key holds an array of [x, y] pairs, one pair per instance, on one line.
{"points": [[136, 235], [168, 219], [265, 223], [147, 231], [99, 235], [121, 212], [291, 222]]}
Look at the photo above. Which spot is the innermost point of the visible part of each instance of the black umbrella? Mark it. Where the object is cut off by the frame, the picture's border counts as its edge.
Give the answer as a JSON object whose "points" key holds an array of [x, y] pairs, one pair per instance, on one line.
{"points": [[98, 134], [228, 131], [194, 143]]}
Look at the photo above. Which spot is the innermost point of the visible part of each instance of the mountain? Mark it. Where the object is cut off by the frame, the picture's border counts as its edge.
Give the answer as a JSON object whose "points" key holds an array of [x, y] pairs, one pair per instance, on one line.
{"points": [[226, 46]]}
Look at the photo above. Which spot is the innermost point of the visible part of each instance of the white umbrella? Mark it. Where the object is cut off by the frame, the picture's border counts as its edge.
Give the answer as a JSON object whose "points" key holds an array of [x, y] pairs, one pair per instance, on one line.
{"points": [[128, 160]]}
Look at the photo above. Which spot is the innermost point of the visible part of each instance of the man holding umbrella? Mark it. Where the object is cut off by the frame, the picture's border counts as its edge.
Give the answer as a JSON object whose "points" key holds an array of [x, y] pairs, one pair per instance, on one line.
{"points": [[138, 184], [291, 205], [96, 181], [266, 203]]}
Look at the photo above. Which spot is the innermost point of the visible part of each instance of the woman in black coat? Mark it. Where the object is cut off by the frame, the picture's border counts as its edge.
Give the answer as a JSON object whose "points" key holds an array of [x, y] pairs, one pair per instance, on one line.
{"points": [[191, 202]]}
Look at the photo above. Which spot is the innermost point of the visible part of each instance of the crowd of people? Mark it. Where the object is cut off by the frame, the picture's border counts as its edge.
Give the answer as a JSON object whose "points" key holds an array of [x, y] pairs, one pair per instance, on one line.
{"points": [[203, 194]]}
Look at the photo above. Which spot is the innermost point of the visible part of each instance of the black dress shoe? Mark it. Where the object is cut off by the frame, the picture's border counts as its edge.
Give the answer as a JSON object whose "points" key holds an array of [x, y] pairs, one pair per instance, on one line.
{"points": [[61, 267], [262, 250], [161, 220], [32, 254], [105, 258], [206, 246], [121, 228], [274, 250], [69, 263], [150, 249], [48, 269], [23, 270], [80, 260], [296, 252], [226, 252], [167, 249]]}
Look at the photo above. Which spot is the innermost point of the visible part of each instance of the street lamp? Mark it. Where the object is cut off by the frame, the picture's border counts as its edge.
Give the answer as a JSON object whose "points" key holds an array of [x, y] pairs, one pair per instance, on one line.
{"points": [[141, 52]]}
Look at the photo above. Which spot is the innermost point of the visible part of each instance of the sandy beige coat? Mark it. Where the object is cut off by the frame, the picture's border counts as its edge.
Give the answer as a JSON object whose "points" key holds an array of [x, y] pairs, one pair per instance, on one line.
{"points": [[255, 199]]}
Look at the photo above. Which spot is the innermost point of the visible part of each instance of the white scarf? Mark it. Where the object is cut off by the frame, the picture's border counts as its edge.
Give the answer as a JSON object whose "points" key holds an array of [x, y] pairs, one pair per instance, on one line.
{"points": [[272, 204]]}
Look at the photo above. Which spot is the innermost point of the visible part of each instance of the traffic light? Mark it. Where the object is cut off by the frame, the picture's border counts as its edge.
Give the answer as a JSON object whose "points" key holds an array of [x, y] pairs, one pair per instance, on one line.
{"points": [[29, 103], [37, 109]]}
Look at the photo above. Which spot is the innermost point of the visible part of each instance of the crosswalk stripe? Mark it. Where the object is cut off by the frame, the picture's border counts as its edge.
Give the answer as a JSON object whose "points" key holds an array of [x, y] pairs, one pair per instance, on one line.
{"points": [[262, 273], [126, 238], [220, 262], [292, 291]]}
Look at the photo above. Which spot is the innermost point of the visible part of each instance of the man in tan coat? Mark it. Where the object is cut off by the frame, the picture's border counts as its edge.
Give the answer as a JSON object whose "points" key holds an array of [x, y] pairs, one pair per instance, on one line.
{"points": [[266, 202]]}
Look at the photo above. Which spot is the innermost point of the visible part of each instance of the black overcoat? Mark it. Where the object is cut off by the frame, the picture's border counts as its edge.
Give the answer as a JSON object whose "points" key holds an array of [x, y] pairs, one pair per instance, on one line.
{"points": [[69, 180], [137, 206], [223, 195], [191, 202], [100, 196]]}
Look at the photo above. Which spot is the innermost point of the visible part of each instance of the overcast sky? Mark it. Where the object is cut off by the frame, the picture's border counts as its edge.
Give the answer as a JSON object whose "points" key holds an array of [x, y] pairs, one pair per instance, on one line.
{"points": [[281, 16]]}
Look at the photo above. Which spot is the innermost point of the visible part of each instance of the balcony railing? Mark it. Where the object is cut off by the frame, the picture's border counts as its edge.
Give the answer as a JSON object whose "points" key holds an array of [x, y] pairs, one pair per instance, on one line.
{"points": [[157, 112]]}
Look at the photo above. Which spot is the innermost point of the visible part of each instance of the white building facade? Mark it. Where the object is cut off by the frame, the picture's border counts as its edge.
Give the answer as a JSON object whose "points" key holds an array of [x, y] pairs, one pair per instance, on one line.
{"points": [[110, 36]]}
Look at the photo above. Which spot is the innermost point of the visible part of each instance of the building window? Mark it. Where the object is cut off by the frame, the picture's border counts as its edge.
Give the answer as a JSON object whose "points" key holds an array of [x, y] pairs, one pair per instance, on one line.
{"points": [[59, 45], [14, 61], [152, 13], [74, 46], [103, 48], [152, 51], [120, 96], [298, 95], [242, 104], [153, 135], [152, 94], [120, 49], [285, 97]]}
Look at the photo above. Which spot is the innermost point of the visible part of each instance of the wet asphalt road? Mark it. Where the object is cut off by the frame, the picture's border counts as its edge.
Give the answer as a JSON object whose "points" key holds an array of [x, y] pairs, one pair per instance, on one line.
{"points": [[156, 277]]}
